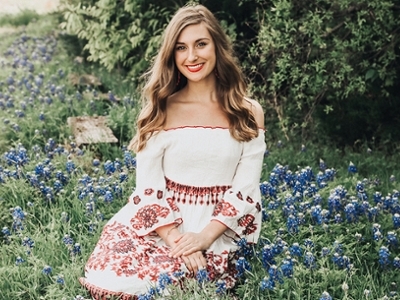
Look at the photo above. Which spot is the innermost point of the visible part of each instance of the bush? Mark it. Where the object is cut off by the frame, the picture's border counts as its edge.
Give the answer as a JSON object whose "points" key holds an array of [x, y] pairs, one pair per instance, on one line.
{"points": [[318, 55]]}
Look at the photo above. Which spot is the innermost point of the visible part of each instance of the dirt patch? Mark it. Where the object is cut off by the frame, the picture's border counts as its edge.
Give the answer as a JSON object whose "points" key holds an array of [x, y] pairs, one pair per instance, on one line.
{"points": [[8, 30]]}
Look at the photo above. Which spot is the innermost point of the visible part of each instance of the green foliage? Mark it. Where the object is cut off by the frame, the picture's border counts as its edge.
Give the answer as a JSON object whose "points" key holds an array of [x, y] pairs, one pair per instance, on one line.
{"points": [[313, 55], [119, 33], [24, 17]]}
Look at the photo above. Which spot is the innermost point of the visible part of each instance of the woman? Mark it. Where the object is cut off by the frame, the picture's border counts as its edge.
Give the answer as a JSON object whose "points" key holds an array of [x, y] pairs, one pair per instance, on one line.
{"points": [[200, 147]]}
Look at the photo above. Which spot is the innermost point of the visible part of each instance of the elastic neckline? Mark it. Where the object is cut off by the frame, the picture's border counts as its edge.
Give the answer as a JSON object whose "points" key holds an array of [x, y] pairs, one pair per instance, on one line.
{"points": [[195, 126], [202, 126]]}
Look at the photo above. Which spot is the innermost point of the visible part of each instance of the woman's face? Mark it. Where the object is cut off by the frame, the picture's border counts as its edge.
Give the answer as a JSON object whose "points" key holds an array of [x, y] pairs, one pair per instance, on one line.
{"points": [[195, 53]]}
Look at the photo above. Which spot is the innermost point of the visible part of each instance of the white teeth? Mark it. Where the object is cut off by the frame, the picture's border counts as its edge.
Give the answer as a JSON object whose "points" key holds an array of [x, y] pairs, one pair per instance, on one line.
{"points": [[195, 67]]}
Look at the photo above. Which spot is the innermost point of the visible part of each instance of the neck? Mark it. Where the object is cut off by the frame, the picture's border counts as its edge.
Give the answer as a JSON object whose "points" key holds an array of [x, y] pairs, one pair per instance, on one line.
{"points": [[202, 91]]}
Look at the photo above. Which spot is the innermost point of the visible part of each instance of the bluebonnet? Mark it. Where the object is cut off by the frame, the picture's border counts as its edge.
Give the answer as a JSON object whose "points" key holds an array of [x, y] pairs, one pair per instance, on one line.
{"points": [[76, 249], [384, 259], [309, 260], [70, 166], [267, 283], [396, 263], [295, 250], [108, 197], [163, 280], [352, 168], [325, 251], [202, 276], [396, 220], [28, 243], [351, 213], [221, 287], [325, 296], [392, 240], [287, 267], [322, 165], [245, 249], [309, 243], [242, 265], [60, 279], [67, 240], [19, 260], [47, 270], [292, 224]]}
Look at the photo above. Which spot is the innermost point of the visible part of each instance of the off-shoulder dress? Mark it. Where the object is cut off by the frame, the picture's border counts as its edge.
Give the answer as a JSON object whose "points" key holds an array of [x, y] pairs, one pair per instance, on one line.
{"points": [[186, 176]]}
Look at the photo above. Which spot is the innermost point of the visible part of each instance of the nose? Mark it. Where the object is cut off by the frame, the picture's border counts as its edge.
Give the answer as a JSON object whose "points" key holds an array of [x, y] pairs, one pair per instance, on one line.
{"points": [[192, 56]]}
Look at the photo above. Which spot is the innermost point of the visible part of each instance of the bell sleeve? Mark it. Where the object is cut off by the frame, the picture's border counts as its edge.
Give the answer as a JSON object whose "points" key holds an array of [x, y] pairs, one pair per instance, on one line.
{"points": [[240, 207], [150, 198]]}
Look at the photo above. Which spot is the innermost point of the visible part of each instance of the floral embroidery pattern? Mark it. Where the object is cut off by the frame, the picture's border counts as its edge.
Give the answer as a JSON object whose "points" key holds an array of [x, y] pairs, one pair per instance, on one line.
{"points": [[248, 199], [148, 215], [148, 192], [225, 208], [239, 195], [171, 202], [247, 221], [136, 199], [159, 195]]}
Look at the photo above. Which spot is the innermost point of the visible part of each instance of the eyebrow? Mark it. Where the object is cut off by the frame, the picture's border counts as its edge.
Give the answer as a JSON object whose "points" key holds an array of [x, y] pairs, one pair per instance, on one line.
{"points": [[196, 41]]}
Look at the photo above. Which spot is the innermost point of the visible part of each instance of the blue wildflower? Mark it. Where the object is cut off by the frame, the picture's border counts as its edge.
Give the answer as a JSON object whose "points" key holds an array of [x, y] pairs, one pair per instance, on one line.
{"points": [[396, 220], [309, 260], [47, 270], [60, 279], [221, 287], [396, 263], [242, 265], [287, 267], [384, 254], [202, 276], [352, 168], [392, 240], [19, 260], [295, 250], [267, 284], [163, 281], [309, 243], [325, 296]]}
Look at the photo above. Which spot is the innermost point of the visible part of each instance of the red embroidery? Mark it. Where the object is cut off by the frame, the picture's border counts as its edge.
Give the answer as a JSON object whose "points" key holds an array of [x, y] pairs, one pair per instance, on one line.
{"points": [[148, 192], [247, 221], [123, 246], [195, 194], [225, 208], [258, 206], [248, 199], [239, 195], [171, 202], [136, 200], [159, 194], [148, 215]]}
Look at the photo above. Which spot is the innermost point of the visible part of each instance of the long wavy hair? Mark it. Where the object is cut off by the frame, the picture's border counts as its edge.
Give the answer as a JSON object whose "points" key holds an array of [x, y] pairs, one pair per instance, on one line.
{"points": [[162, 80]]}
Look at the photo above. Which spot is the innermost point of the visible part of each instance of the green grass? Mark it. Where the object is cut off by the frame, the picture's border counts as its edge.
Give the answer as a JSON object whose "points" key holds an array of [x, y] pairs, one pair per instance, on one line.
{"points": [[45, 222], [24, 17]]}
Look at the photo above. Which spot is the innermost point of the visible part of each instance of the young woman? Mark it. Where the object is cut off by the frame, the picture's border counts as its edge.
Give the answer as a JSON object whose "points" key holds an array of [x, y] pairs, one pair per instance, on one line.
{"points": [[200, 147]]}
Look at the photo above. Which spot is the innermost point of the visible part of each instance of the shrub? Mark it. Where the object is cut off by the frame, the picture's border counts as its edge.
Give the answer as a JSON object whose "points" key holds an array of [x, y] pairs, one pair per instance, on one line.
{"points": [[317, 55]]}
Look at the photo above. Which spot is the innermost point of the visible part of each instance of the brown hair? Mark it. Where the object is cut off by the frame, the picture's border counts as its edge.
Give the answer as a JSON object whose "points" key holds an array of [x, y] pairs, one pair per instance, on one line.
{"points": [[163, 80]]}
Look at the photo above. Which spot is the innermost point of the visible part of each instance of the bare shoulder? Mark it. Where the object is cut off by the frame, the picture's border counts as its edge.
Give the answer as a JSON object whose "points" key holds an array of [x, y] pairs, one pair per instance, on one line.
{"points": [[257, 110]]}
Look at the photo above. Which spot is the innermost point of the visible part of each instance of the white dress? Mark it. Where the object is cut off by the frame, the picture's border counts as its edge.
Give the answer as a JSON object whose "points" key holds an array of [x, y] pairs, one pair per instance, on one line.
{"points": [[187, 176]]}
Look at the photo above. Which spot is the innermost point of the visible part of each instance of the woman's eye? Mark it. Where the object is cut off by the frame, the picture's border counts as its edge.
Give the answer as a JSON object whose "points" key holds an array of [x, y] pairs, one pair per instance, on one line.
{"points": [[180, 48], [202, 44]]}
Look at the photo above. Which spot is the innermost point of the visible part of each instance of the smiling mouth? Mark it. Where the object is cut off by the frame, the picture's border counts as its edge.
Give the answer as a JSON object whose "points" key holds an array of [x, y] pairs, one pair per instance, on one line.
{"points": [[195, 68]]}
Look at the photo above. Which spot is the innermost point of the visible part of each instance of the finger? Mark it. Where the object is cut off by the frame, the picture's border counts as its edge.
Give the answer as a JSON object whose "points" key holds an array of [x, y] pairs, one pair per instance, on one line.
{"points": [[193, 263], [187, 263]]}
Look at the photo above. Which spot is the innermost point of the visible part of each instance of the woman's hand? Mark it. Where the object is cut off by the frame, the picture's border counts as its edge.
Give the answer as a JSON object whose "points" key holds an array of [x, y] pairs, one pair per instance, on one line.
{"points": [[188, 243], [195, 261]]}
